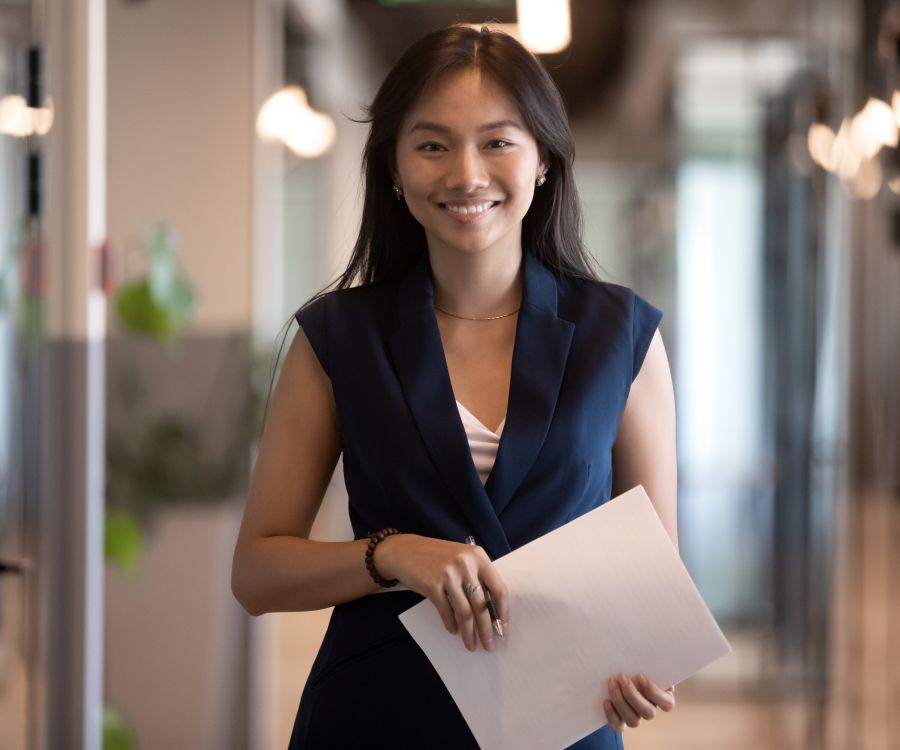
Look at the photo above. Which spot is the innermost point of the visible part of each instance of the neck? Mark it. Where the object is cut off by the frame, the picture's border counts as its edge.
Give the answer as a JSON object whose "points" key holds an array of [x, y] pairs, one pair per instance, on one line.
{"points": [[477, 285]]}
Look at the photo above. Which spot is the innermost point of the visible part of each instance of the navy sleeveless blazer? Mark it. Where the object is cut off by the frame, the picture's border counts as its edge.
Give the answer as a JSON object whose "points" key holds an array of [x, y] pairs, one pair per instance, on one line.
{"points": [[578, 346]]}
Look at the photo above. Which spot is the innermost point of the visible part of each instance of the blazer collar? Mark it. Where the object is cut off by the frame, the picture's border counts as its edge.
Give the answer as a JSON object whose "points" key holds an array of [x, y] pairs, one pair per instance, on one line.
{"points": [[540, 352]]}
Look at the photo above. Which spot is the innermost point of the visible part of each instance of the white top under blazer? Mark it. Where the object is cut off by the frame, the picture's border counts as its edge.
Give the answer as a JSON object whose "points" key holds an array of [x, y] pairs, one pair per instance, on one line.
{"points": [[482, 441]]}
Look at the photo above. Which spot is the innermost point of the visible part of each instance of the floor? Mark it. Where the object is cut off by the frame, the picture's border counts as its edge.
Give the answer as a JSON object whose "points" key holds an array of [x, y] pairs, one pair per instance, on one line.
{"points": [[713, 714], [699, 723]]}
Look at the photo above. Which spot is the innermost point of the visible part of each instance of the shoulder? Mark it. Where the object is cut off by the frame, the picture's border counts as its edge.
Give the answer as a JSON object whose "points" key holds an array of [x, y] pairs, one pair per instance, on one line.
{"points": [[607, 312], [342, 320], [355, 300], [590, 298]]}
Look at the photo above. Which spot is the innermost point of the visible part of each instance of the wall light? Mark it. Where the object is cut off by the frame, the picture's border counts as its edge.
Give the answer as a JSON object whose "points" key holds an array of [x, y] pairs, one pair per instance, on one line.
{"points": [[873, 127], [287, 117], [20, 120], [867, 181], [852, 152], [545, 26], [820, 141]]}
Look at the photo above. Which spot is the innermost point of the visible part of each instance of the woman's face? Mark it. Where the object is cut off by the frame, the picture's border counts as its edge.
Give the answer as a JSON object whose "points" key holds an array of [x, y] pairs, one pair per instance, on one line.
{"points": [[467, 165]]}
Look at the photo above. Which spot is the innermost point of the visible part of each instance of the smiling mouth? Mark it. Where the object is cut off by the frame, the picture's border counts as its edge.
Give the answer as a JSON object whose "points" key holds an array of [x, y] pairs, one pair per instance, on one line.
{"points": [[473, 210]]}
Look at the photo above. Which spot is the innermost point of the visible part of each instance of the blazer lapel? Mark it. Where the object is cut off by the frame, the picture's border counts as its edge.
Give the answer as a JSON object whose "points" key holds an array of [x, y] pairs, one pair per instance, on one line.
{"points": [[539, 360], [539, 356], [418, 356]]}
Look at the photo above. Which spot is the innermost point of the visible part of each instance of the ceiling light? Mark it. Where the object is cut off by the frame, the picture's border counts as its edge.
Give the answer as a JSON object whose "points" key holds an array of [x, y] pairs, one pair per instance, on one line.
{"points": [[287, 117], [545, 26]]}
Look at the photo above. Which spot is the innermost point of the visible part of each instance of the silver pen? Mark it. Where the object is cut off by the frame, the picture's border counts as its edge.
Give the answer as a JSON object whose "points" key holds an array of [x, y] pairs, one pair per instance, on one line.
{"points": [[492, 610]]}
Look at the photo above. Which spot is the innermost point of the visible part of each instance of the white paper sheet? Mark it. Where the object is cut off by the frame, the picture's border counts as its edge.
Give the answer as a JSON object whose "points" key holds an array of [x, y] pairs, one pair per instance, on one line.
{"points": [[604, 594]]}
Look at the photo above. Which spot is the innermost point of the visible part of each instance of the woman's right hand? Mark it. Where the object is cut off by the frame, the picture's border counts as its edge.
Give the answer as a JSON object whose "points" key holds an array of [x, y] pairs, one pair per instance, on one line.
{"points": [[439, 570]]}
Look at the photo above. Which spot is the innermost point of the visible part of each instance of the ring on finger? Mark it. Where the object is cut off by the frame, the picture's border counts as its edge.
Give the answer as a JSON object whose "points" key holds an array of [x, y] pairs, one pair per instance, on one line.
{"points": [[470, 589]]}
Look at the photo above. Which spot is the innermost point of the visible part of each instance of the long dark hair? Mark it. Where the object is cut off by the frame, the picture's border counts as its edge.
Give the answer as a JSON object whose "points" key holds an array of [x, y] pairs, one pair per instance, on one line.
{"points": [[390, 238]]}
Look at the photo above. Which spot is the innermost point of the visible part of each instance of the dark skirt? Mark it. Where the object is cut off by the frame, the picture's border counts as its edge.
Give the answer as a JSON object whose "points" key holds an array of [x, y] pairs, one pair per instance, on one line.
{"points": [[371, 686]]}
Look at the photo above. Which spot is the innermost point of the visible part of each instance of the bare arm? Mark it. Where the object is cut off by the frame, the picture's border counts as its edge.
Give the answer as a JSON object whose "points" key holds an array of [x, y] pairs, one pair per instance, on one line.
{"points": [[644, 452], [276, 568]]}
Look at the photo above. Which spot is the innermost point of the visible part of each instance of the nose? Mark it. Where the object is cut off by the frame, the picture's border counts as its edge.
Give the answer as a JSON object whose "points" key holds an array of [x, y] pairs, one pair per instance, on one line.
{"points": [[466, 171]]}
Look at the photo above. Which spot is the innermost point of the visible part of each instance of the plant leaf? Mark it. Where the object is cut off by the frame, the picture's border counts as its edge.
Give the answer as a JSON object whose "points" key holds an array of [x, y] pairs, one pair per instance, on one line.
{"points": [[117, 732], [139, 312], [123, 541]]}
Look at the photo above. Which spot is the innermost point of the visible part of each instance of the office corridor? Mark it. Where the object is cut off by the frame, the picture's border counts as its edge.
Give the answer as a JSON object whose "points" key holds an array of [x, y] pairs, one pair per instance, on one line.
{"points": [[178, 179]]}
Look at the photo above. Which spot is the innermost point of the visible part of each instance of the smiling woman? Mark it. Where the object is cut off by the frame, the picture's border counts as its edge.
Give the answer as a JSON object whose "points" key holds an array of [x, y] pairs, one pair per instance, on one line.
{"points": [[467, 166], [476, 307]]}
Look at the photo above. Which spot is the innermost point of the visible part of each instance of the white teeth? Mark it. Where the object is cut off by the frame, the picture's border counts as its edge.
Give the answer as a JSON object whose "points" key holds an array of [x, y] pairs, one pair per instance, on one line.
{"points": [[466, 210]]}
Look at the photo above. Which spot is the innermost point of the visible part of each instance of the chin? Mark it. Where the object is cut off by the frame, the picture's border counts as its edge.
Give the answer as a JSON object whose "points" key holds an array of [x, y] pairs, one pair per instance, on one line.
{"points": [[470, 246]]}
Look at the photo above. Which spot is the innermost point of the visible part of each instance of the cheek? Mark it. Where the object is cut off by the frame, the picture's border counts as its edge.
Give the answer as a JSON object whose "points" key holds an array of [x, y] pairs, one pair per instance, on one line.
{"points": [[525, 193], [525, 177], [405, 170], [417, 182], [417, 204]]}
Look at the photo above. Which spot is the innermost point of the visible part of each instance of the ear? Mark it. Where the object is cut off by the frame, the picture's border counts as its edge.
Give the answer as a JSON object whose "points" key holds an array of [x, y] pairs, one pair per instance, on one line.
{"points": [[543, 161]]}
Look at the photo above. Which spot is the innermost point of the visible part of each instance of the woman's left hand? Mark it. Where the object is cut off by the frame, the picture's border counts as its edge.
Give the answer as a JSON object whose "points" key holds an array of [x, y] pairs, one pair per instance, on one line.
{"points": [[636, 697]]}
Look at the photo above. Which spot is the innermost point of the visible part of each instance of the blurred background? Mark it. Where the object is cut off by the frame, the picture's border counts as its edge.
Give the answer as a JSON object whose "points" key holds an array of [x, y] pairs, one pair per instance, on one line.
{"points": [[176, 178]]}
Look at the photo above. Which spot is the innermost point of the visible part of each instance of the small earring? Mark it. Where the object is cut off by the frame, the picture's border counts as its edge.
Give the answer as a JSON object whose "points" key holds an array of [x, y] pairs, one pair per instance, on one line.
{"points": [[540, 180], [398, 192]]}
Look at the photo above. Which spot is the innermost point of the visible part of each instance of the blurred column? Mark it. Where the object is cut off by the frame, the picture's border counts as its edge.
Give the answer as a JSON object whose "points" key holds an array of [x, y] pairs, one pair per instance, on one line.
{"points": [[860, 51], [69, 523]]}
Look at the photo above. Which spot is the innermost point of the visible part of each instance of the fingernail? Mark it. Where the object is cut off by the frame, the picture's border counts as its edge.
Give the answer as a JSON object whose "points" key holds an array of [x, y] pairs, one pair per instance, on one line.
{"points": [[643, 680], [489, 644]]}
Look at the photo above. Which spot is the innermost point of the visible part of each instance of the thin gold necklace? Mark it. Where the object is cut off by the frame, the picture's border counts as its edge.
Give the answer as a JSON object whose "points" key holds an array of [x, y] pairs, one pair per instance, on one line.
{"points": [[461, 317]]}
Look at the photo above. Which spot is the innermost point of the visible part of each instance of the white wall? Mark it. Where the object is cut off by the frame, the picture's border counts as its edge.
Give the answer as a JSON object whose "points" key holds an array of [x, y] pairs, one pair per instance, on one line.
{"points": [[181, 141], [181, 149]]}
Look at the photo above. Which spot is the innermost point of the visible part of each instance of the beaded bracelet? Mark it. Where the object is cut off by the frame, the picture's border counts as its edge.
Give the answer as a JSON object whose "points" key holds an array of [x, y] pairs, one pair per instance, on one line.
{"points": [[374, 539]]}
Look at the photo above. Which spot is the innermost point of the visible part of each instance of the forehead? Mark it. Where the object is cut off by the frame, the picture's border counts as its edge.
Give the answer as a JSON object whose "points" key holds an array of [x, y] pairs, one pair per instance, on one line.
{"points": [[461, 100]]}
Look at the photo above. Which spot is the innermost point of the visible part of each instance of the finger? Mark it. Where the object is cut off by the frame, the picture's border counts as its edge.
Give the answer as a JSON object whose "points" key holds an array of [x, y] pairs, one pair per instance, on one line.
{"points": [[642, 707], [462, 609], [483, 624], [487, 576], [628, 714], [612, 717], [664, 699], [498, 591], [445, 610]]}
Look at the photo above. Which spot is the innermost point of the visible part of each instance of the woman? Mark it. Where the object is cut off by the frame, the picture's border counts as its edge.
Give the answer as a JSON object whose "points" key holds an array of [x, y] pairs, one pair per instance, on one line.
{"points": [[477, 319]]}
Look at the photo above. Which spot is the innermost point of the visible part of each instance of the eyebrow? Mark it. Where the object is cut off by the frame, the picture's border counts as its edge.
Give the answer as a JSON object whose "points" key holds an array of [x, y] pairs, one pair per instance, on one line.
{"points": [[496, 125]]}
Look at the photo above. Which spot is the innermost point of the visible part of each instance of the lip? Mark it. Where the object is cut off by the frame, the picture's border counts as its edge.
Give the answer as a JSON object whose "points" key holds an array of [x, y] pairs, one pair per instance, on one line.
{"points": [[468, 218]]}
